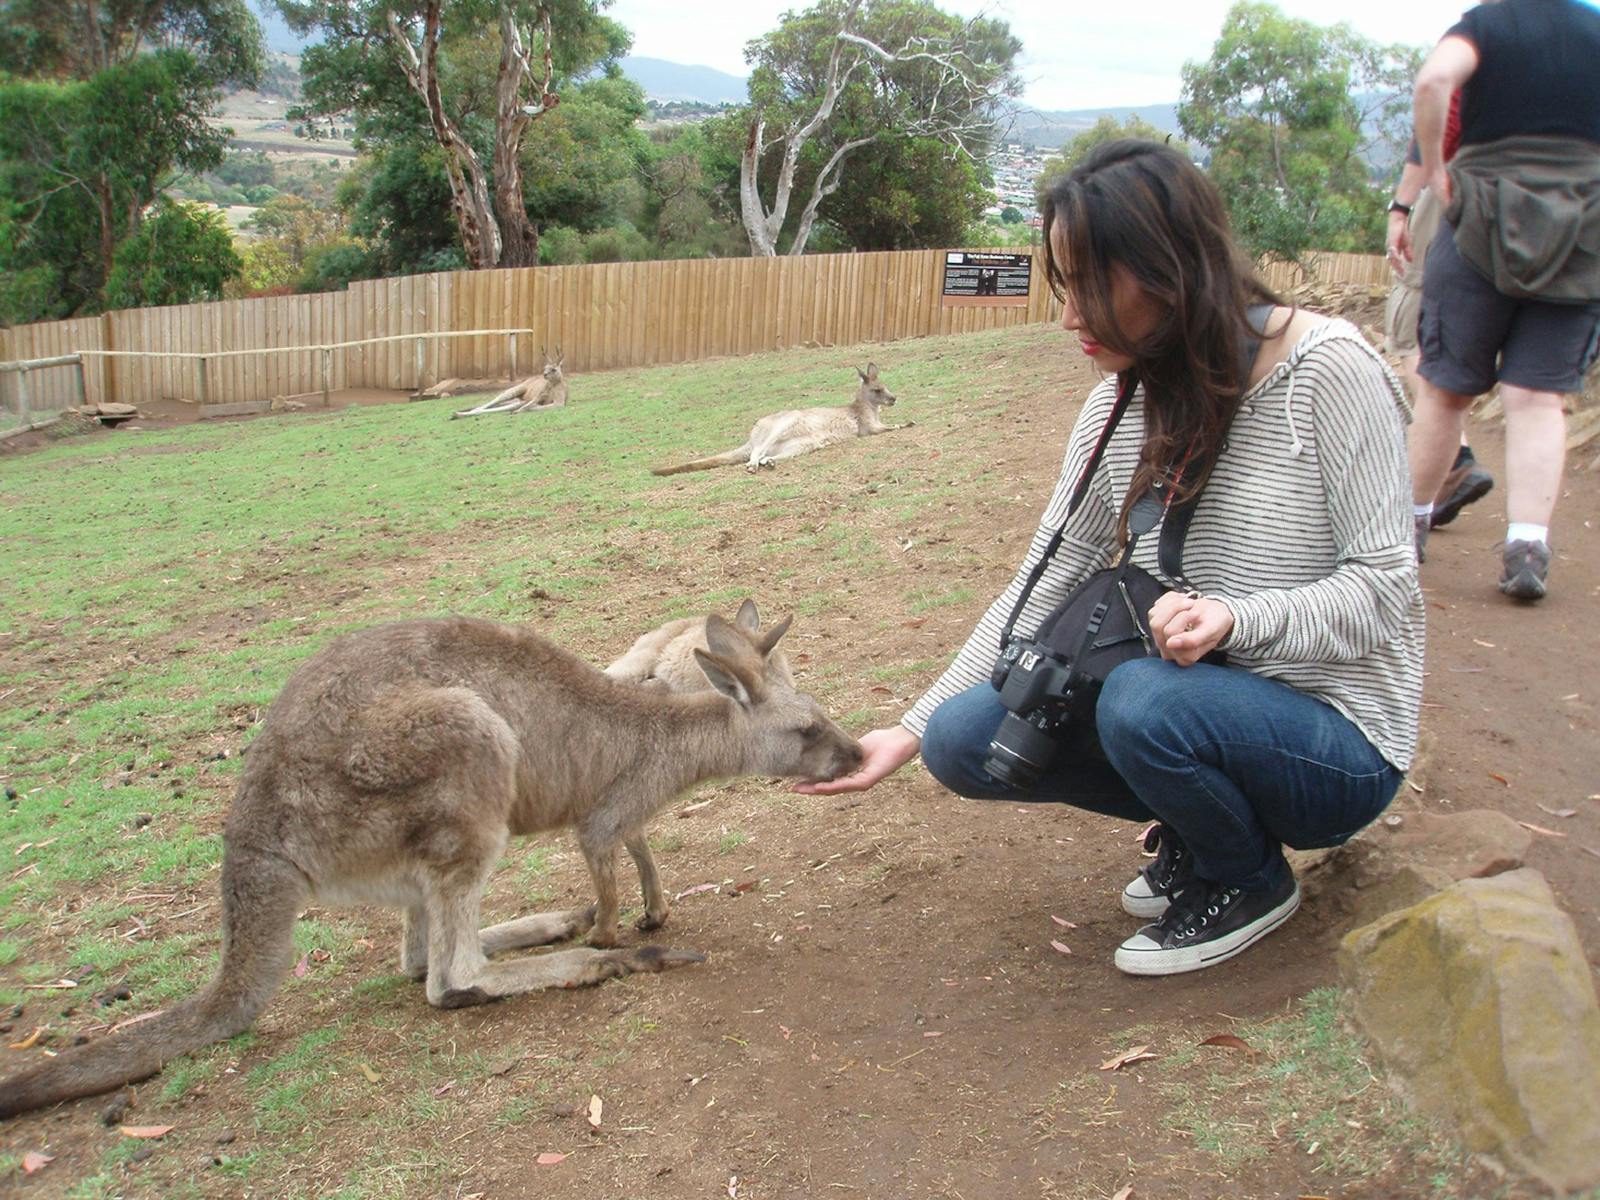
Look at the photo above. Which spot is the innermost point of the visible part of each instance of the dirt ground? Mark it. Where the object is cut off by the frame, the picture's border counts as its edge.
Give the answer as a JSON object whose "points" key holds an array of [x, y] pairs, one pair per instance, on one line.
{"points": [[883, 1013]]}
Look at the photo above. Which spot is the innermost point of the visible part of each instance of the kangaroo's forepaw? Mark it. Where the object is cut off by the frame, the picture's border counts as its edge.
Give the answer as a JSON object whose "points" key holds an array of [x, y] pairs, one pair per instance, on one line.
{"points": [[657, 958]]}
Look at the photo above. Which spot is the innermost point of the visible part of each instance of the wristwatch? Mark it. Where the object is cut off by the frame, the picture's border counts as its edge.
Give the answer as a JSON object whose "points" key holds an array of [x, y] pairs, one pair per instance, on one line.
{"points": [[1396, 206]]}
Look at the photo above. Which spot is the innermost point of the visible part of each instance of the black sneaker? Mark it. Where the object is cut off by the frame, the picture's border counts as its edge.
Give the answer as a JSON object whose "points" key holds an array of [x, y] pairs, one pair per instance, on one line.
{"points": [[1466, 483], [1206, 924], [1149, 893]]}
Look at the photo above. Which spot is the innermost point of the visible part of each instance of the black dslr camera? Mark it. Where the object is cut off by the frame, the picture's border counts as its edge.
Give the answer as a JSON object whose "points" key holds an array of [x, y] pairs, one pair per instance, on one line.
{"points": [[1041, 692]]}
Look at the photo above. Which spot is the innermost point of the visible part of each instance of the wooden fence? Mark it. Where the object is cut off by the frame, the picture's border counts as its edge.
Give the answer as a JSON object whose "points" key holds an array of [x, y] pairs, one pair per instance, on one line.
{"points": [[601, 316]]}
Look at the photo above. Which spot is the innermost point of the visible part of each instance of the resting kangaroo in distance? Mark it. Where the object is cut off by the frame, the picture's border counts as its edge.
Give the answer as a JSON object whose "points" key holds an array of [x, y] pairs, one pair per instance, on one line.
{"points": [[797, 430], [545, 390], [393, 768], [664, 658]]}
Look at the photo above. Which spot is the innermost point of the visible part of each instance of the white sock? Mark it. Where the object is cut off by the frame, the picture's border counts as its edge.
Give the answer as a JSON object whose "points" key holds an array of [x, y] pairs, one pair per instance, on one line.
{"points": [[1522, 531], [1422, 510]]}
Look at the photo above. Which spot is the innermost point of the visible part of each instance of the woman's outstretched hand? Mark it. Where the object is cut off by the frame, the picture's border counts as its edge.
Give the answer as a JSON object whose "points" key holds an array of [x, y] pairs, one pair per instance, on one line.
{"points": [[1187, 627], [885, 751]]}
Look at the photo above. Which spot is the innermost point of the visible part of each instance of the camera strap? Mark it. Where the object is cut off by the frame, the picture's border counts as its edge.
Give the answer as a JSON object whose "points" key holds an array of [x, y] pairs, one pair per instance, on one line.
{"points": [[1148, 509]]}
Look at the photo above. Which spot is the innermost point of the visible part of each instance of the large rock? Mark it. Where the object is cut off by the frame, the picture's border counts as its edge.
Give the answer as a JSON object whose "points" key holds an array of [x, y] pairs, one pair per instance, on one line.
{"points": [[1406, 857], [1481, 1003]]}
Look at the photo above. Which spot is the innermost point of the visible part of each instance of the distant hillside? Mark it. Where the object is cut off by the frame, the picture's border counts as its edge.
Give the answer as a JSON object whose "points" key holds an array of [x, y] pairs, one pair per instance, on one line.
{"points": [[1050, 130], [662, 80]]}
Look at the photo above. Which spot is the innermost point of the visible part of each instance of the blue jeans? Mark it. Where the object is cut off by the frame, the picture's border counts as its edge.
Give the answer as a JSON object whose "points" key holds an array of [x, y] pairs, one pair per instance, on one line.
{"points": [[1237, 765]]}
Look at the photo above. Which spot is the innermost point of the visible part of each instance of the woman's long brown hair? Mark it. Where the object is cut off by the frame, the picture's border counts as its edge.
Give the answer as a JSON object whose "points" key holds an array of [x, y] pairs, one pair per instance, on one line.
{"points": [[1146, 207]]}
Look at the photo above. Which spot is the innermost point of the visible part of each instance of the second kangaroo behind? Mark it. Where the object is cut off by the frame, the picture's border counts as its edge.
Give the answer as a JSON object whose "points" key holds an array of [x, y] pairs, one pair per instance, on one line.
{"points": [[393, 768], [797, 430]]}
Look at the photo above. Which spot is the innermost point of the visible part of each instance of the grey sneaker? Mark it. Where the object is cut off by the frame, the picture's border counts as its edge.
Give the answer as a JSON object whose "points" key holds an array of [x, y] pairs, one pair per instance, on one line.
{"points": [[1465, 483], [1419, 528], [1525, 569]]}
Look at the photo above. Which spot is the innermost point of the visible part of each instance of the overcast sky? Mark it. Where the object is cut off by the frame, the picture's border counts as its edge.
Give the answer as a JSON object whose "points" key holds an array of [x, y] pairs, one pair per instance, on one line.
{"points": [[1110, 54]]}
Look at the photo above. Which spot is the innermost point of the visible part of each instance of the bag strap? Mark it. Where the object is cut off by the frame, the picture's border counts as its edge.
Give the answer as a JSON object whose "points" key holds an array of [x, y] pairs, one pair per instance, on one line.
{"points": [[1124, 398], [1175, 523]]}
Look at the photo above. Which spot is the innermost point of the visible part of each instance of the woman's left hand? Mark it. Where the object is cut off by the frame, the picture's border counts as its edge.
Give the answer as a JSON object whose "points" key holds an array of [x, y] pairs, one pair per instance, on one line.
{"points": [[1187, 628]]}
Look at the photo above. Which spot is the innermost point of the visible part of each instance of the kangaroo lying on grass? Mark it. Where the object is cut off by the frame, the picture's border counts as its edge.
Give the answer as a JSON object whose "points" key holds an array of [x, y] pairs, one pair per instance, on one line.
{"points": [[545, 390], [795, 431], [392, 769], [665, 658]]}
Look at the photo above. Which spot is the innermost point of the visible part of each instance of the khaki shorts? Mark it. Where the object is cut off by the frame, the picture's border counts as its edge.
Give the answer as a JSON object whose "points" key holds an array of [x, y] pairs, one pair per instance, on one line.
{"points": [[1405, 298]]}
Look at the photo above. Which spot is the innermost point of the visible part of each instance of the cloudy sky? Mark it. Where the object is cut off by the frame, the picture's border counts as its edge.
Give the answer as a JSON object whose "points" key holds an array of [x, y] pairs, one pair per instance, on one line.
{"points": [[1075, 55]]}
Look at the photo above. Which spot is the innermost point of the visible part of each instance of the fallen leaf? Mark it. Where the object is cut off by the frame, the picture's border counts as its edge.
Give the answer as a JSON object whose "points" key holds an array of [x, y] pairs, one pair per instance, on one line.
{"points": [[596, 1106], [733, 1186], [881, 689], [301, 967], [1059, 948], [145, 1131], [444, 1087], [1540, 829], [697, 889], [915, 622], [933, 1033], [740, 889], [1124, 1193], [30, 1041], [1230, 1041], [372, 1076], [1590, 850], [786, 1031], [1063, 922], [60, 985], [1499, 778], [1481, 642], [1559, 812], [320, 956], [1137, 1054], [693, 808], [34, 1161], [549, 1159]]}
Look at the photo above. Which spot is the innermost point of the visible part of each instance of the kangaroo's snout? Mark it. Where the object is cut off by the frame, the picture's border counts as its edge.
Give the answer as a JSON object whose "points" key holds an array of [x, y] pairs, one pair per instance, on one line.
{"points": [[846, 759]]}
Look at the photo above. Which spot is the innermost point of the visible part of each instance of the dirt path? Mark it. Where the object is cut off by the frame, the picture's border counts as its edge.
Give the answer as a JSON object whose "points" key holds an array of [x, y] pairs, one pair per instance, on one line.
{"points": [[883, 1013]]}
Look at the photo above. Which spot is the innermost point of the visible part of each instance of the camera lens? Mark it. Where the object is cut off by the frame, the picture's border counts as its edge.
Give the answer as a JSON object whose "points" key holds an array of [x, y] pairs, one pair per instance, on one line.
{"points": [[1020, 752]]}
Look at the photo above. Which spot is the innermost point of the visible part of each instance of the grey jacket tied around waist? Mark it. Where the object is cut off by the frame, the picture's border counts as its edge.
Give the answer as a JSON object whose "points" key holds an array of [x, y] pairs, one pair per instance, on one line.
{"points": [[1527, 215]]}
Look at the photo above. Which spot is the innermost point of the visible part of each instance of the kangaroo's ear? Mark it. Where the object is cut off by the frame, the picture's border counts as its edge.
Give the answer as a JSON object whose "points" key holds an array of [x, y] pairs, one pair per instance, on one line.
{"points": [[861, 373], [872, 371], [732, 655], [777, 631], [747, 618], [723, 678]]}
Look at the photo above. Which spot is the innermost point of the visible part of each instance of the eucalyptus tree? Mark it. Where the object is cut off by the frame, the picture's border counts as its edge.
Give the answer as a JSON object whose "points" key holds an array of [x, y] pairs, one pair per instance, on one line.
{"points": [[478, 73], [1299, 119], [843, 74]]}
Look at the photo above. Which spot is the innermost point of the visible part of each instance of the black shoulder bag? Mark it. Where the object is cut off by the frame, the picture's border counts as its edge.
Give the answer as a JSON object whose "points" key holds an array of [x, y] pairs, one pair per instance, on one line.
{"points": [[1055, 677]]}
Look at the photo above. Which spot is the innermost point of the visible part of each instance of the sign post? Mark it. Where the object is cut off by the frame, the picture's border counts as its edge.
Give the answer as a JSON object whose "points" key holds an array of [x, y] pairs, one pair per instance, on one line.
{"points": [[984, 279]]}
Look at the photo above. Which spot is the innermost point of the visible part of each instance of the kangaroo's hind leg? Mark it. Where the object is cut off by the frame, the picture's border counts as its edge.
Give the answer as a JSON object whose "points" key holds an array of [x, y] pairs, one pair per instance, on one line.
{"points": [[459, 975], [538, 929]]}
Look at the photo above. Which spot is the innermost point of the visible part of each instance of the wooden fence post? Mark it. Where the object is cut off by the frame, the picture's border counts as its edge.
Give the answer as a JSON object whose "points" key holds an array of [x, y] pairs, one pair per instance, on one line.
{"points": [[81, 381], [422, 364], [511, 352], [201, 395], [22, 398], [327, 373]]}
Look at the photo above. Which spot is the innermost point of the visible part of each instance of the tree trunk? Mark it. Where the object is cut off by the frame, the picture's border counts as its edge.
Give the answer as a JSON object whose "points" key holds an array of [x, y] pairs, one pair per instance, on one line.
{"points": [[520, 240], [469, 183]]}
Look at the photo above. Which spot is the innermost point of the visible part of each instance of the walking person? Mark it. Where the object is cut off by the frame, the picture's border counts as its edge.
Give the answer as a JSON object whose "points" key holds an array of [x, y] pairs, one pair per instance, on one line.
{"points": [[1414, 216], [1298, 563], [1511, 286]]}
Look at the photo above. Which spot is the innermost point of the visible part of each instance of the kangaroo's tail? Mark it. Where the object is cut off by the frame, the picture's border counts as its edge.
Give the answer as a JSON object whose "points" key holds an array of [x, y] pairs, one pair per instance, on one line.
{"points": [[726, 459], [261, 896]]}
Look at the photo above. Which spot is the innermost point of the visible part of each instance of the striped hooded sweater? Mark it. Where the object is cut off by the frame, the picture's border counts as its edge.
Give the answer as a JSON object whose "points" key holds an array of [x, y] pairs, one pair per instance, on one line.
{"points": [[1304, 531]]}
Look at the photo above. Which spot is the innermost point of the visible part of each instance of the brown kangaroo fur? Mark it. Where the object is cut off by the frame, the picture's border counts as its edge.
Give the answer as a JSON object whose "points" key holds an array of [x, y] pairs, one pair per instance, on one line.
{"points": [[393, 768], [548, 389], [795, 431], [664, 658]]}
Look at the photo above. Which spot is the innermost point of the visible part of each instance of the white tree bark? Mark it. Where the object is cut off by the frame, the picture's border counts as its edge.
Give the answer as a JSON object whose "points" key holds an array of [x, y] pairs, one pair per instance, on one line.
{"points": [[954, 109]]}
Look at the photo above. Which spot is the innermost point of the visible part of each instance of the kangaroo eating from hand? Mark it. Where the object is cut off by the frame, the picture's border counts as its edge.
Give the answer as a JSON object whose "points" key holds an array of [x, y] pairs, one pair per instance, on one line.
{"points": [[795, 431], [393, 768]]}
